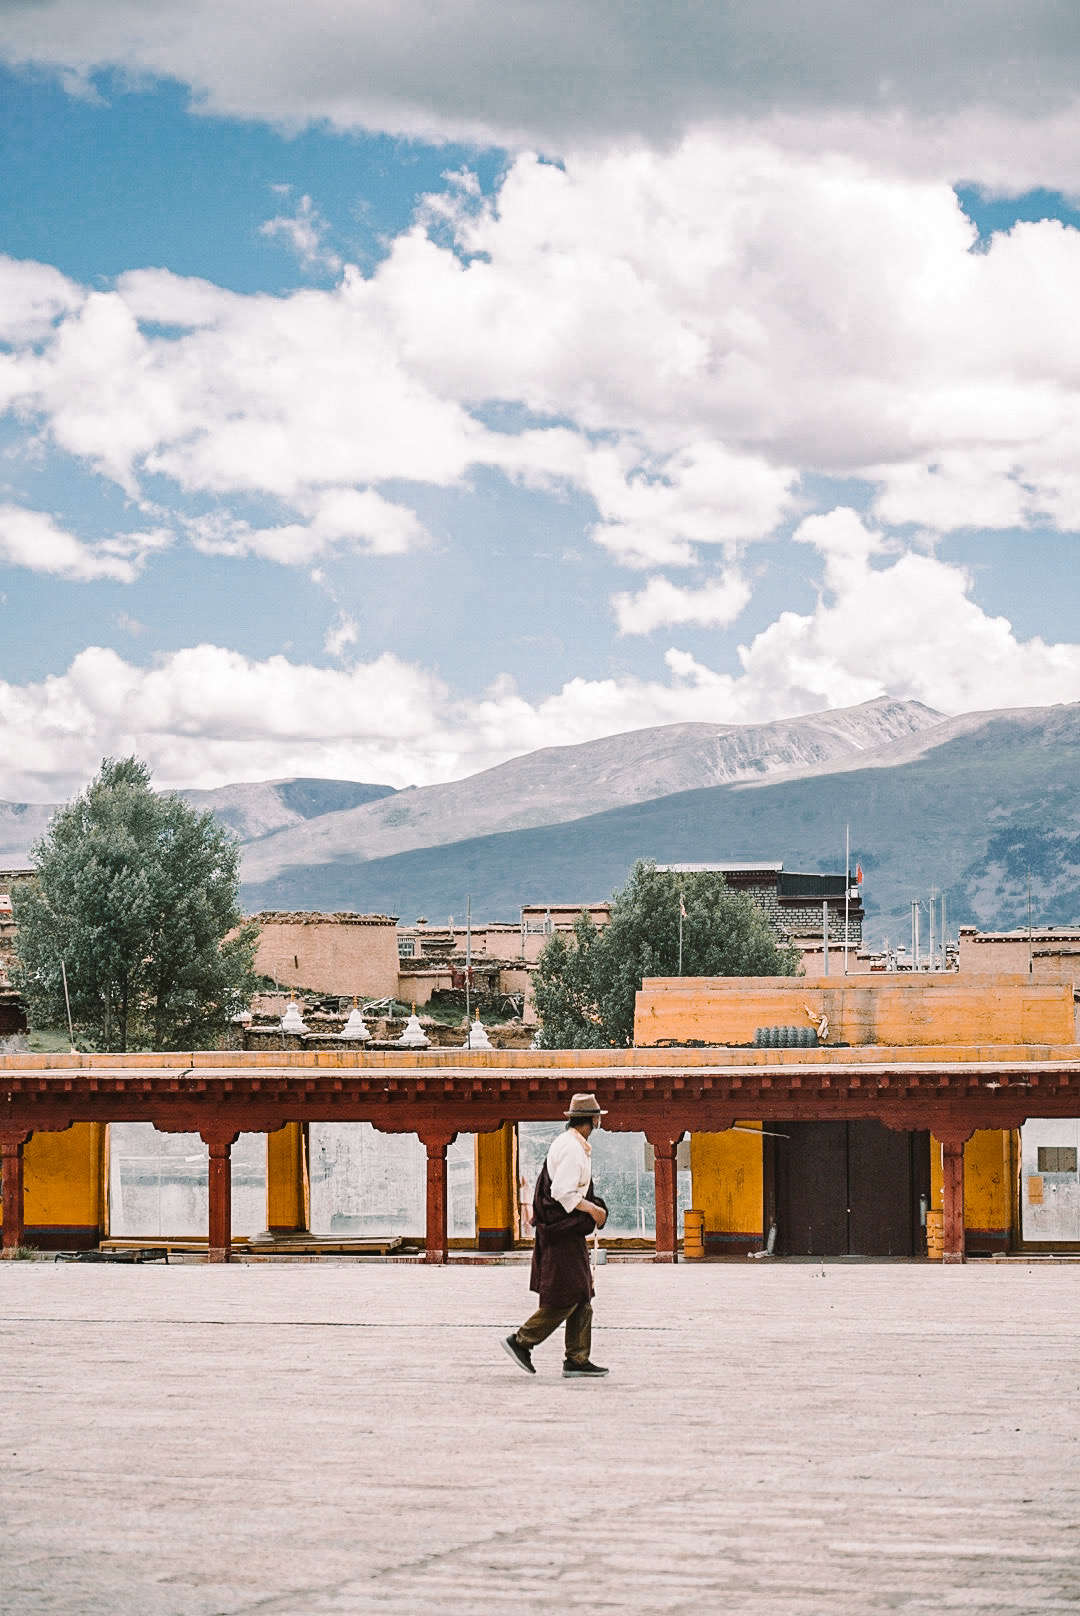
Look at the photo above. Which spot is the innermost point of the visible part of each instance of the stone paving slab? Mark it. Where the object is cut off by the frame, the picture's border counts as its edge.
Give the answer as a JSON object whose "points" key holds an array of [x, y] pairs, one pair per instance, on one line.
{"points": [[785, 1440]]}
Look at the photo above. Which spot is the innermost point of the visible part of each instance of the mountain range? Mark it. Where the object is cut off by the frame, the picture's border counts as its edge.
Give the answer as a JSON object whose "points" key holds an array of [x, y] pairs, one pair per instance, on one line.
{"points": [[976, 806]]}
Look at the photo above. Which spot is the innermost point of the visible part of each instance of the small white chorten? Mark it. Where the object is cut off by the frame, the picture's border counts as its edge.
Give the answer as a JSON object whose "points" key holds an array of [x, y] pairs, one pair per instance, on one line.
{"points": [[356, 1026], [413, 1037], [292, 1020], [477, 1037]]}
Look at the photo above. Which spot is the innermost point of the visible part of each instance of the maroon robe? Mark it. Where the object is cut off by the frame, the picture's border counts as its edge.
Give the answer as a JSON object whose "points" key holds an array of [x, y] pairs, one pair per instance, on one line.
{"points": [[560, 1262]]}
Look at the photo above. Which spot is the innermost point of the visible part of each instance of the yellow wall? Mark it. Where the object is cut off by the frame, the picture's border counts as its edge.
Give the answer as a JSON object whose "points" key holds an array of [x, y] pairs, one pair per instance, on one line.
{"points": [[496, 1189], [896, 1010], [726, 1184], [285, 1199], [988, 1187], [64, 1179]]}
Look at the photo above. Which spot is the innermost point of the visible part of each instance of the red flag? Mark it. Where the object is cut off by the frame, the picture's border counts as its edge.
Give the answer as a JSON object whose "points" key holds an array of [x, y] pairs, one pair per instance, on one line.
{"points": [[858, 875]]}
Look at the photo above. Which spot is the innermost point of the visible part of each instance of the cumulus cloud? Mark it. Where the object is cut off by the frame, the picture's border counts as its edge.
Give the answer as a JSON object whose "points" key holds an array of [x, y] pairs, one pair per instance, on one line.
{"points": [[34, 540], [701, 327], [899, 624], [564, 75], [662, 604]]}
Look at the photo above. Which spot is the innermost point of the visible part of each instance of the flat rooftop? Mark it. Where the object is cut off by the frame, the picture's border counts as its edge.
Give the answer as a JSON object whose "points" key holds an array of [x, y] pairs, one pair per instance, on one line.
{"points": [[328, 1439]]}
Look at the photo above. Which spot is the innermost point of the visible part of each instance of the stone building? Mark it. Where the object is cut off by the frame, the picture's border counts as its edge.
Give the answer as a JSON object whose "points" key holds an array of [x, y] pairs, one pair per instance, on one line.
{"points": [[12, 1014], [796, 903], [340, 954], [1049, 953]]}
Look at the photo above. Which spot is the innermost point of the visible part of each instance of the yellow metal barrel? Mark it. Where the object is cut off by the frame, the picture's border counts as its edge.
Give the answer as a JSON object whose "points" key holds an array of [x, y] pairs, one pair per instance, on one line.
{"points": [[693, 1234]]}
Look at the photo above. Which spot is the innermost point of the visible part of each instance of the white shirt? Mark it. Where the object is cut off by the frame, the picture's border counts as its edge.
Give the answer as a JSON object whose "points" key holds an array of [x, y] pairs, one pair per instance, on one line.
{"points": [[569, 1163]]}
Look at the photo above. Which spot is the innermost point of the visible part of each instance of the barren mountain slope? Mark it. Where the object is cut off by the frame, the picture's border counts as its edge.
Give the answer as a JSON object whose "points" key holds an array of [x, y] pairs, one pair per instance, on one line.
{"points": [[252, 810], [562, 783], [994, 807], [21, 823]]}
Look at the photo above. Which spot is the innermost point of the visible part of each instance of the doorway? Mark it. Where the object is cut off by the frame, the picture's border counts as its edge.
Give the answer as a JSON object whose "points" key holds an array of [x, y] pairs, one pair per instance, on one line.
{"points": [[850, 1189]]}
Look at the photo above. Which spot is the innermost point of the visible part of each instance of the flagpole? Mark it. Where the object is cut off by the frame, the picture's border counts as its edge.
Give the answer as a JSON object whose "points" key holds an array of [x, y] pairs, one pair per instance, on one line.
{"points": [[682, 911]]}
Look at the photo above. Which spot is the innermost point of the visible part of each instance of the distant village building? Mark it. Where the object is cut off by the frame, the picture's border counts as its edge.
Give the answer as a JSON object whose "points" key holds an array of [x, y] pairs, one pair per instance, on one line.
{"points": [[12, 1014], [1050, 953], [798, 905], [343, 953]]}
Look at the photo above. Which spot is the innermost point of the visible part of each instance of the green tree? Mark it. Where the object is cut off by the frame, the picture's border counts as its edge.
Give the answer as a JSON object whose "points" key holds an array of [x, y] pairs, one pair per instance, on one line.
{"points": [[138, 895], [584, 990]]}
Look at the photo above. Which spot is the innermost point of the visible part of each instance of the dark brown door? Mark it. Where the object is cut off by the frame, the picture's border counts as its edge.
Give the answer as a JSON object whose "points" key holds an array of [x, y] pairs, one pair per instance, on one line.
{"points": [[811, 1190], [879, 1191], [848, 1188]]}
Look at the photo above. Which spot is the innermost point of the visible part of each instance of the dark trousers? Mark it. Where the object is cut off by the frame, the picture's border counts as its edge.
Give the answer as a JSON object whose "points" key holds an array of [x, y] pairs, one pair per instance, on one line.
{"points": [[546, 1320]]}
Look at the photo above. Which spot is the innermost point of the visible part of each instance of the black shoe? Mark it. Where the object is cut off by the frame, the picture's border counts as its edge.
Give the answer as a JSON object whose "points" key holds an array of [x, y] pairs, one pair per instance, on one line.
{"points": [[582, 1371], [522, 1356]]}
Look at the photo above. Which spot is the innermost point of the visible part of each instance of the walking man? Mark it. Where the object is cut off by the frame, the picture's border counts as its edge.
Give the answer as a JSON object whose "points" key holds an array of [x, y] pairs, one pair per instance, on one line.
{"points": [[565, 1210]]}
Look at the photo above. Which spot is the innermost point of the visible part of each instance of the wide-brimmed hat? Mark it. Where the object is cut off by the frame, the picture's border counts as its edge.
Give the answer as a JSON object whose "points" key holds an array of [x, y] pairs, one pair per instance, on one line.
{"points": [[585, 1105]]}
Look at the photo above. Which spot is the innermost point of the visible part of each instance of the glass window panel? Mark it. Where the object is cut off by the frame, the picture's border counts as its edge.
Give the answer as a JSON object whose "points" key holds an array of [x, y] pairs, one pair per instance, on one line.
{"points": [[157, 1183], [373, 1185], [620, 1173]]}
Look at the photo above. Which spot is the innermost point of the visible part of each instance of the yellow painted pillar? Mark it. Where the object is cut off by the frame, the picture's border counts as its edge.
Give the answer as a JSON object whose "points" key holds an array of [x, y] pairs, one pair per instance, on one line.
{"points": [[64, 1197], [727, 1185], [988, 1188], [496, 1189], [286, 1201]]}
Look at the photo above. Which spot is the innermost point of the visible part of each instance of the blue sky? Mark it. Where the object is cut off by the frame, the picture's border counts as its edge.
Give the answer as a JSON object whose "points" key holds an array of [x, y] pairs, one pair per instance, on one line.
{"points": [[345, 435]]}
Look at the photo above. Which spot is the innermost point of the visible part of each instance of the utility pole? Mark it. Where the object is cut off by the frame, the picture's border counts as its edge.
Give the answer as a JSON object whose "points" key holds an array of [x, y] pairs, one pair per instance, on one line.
{"points": [[915, 934], [847, 888], [944, 937], [933, 901], [1031, 959], [825, 932], [468, 970]]}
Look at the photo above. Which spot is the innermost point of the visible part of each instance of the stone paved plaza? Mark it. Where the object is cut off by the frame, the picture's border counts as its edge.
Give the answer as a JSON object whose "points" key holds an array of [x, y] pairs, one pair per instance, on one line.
{"points": [[349, 1438]]}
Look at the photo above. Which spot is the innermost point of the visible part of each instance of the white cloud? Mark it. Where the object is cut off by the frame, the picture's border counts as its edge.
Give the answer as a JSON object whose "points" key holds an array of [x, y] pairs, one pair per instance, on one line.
{"points": [[343, 632], [905, 626], [33, 539], [977, 82], [304, 231], [702, 326], [339, 519], [662, 604]]}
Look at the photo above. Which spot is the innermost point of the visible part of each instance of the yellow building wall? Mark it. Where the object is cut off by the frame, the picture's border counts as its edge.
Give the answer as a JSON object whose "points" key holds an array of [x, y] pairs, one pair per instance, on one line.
{"points": [[496, 1189], [726, 1184], [989, 1157], [64, 1186], [286, 1208], [896, 1010]]}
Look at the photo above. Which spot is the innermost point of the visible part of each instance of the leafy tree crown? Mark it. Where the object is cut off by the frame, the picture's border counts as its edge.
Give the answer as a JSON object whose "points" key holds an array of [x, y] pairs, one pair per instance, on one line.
{"points": [[137, 899], [585, 989]]}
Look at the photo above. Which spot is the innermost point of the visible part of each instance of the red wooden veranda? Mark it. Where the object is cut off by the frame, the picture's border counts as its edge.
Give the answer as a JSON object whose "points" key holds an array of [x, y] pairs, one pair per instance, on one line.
{"points": [[436, 1094]]}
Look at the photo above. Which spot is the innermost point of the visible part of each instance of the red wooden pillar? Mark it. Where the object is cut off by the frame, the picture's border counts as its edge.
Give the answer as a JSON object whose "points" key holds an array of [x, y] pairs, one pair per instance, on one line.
{"points": [[12, 1141], [952, 1185], [667, 1198], [436, 1248], [219, 1187]]}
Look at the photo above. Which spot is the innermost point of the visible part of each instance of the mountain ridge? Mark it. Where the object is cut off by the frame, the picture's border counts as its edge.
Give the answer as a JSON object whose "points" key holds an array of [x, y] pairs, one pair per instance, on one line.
{"points": [[997, 798]]}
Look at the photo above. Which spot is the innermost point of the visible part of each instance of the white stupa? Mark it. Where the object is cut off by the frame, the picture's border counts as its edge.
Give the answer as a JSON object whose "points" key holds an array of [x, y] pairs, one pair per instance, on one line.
{"points": [[414, 1036], [477, 1037], [356, 1026], [292, 1020]]}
